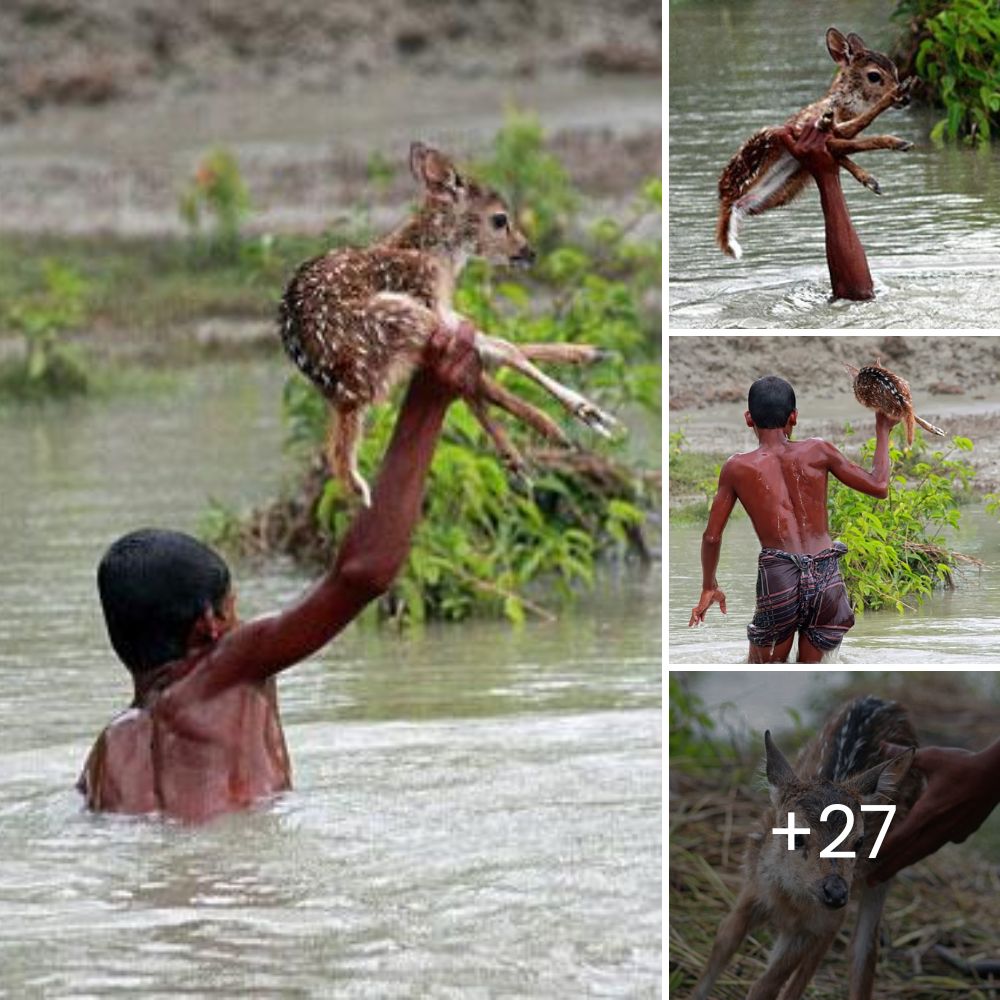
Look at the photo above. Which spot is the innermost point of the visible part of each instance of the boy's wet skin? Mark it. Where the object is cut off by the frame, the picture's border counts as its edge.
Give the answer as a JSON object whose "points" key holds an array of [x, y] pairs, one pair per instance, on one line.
{"points": [[782, 485], [203, 735]]}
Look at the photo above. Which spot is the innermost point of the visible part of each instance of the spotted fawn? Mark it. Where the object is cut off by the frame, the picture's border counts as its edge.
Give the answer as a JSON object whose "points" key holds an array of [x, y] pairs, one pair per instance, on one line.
{"points": [[882, 390], [764, 175], [802, 893], [356, 321]]}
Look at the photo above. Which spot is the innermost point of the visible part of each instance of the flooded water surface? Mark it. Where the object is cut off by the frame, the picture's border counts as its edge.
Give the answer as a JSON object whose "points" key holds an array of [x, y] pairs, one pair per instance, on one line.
{"points": [[477, 808], [932, 238], [950, 626]]}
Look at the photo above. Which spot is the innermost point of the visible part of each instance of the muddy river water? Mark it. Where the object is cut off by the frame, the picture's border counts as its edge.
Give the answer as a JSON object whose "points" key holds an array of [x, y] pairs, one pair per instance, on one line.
{"points": [[951, 626], [932, 239], [477, 808]]}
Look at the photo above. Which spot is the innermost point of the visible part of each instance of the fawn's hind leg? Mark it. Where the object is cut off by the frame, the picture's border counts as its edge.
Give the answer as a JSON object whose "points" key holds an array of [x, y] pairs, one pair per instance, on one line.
{"points": [[512, 458], [497, 351], [860, 175], [342, 450], [564, 353], [524, 411]]}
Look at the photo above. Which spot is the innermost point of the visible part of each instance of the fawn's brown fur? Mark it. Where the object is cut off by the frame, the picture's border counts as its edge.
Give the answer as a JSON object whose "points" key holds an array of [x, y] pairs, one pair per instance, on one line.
{"points": [[356, 321], [764, 175], [801, 895]]}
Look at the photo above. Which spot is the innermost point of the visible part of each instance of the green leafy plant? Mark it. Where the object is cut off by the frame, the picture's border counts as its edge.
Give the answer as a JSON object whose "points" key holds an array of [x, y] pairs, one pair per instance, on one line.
{"points": [[898, 548], [217, 190], [536, 184], [954, 48], [51, 366]]}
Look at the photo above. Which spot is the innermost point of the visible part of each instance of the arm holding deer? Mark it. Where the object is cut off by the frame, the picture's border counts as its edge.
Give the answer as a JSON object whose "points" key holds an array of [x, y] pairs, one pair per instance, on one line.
{"points": [[845, 256]]}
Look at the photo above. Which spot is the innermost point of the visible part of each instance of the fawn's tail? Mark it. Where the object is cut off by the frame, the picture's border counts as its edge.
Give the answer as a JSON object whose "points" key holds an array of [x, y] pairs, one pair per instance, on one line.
{"points": [[929, 427], [726, 230]]}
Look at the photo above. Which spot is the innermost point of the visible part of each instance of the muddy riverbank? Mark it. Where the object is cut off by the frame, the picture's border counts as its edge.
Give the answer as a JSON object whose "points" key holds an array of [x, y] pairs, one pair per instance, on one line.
{"points": [[304, 97]]}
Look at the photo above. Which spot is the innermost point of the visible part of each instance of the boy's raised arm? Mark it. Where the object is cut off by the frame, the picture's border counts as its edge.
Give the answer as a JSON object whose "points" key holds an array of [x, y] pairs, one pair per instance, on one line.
{"points": [[711, 546], [845, 256], [876, 482], [378, 541]]}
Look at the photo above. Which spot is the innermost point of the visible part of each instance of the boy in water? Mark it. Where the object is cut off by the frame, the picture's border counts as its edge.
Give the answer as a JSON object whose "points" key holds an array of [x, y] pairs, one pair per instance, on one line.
{"points": [[782, 486], [203, 735]]}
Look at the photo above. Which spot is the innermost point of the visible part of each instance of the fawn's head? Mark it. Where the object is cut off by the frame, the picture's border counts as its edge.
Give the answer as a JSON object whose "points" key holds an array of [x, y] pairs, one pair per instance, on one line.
{"points": [[463, 218], [865, 75], [802, 872]]}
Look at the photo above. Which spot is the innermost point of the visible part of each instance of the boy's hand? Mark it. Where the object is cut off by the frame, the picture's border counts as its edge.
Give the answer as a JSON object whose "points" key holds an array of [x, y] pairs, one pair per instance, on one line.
{"points": [[808, 146], [708, 598], [883, 422], [960, 794], [451, 364]]}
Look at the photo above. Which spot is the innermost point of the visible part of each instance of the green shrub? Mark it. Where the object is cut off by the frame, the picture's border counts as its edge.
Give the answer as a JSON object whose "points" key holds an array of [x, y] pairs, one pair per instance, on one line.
{"points": [[954, 47], [51, 366], [217, 190], [898, 548], [535, 183]]}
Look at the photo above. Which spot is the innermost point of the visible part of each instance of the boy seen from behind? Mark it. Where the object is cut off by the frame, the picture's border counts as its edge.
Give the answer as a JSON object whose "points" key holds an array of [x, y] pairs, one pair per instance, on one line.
{"points": [[203, 735], [782, 485]]}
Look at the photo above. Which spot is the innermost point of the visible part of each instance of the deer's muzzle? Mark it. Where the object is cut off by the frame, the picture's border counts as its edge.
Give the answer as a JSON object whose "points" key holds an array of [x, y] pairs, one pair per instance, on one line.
{"points": [[834, 892]]}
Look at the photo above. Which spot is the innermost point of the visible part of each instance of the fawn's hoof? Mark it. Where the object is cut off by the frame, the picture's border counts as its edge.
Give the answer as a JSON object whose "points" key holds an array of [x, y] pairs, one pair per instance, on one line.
{"points": [[596, 419], [873, 185], [360, 488], [905, 146]]}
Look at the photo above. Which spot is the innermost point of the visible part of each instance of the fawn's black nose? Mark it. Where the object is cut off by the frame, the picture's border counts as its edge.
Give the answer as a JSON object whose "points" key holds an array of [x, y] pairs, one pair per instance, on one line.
{"points": [[835, 892], [525, 257]]}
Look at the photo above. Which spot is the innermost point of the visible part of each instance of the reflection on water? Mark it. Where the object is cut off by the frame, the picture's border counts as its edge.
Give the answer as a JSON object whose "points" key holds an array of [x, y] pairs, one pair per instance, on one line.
{"points": [[932, 238], [959, 626], [477, 809]]}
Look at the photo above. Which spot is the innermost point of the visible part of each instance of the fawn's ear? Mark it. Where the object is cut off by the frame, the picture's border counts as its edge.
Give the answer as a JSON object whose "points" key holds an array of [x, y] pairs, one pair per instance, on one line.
{"points": [[857, 45], [838, 46], [779, 771], [434, 171], [879, 782]]}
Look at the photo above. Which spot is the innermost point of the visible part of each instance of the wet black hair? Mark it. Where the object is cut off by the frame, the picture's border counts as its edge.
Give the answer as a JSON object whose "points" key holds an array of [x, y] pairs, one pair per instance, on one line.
{"points": [[154, 585], [770, 402]]}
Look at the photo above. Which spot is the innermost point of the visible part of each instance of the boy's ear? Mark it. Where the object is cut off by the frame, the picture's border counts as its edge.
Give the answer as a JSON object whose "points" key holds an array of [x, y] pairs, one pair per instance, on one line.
{"points": [[207, 628], [793, 418], [748, 418], [435, 172]]}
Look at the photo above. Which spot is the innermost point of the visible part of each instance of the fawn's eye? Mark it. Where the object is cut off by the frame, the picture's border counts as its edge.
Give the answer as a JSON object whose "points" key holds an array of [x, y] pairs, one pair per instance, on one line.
{"points": [[800, 841], [875, 77], [499, 220], [858, 844]]}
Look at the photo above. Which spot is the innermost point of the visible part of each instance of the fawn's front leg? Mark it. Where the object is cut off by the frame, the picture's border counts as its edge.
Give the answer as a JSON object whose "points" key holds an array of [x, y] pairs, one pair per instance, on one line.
{"points": [[864, 942], [896, 98], [789, 953], [840, 147], [729, 937], [860, 174], [806, 969]]}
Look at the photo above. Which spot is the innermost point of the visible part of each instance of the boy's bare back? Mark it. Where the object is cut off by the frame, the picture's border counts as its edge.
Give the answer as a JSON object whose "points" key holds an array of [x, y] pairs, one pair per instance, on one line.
{"points": [[783, 489], [190, 758]]}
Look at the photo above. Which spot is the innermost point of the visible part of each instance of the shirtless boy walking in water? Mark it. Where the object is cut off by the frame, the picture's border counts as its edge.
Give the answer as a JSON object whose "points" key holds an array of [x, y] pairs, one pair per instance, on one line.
{"points": [[782, 485]]}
